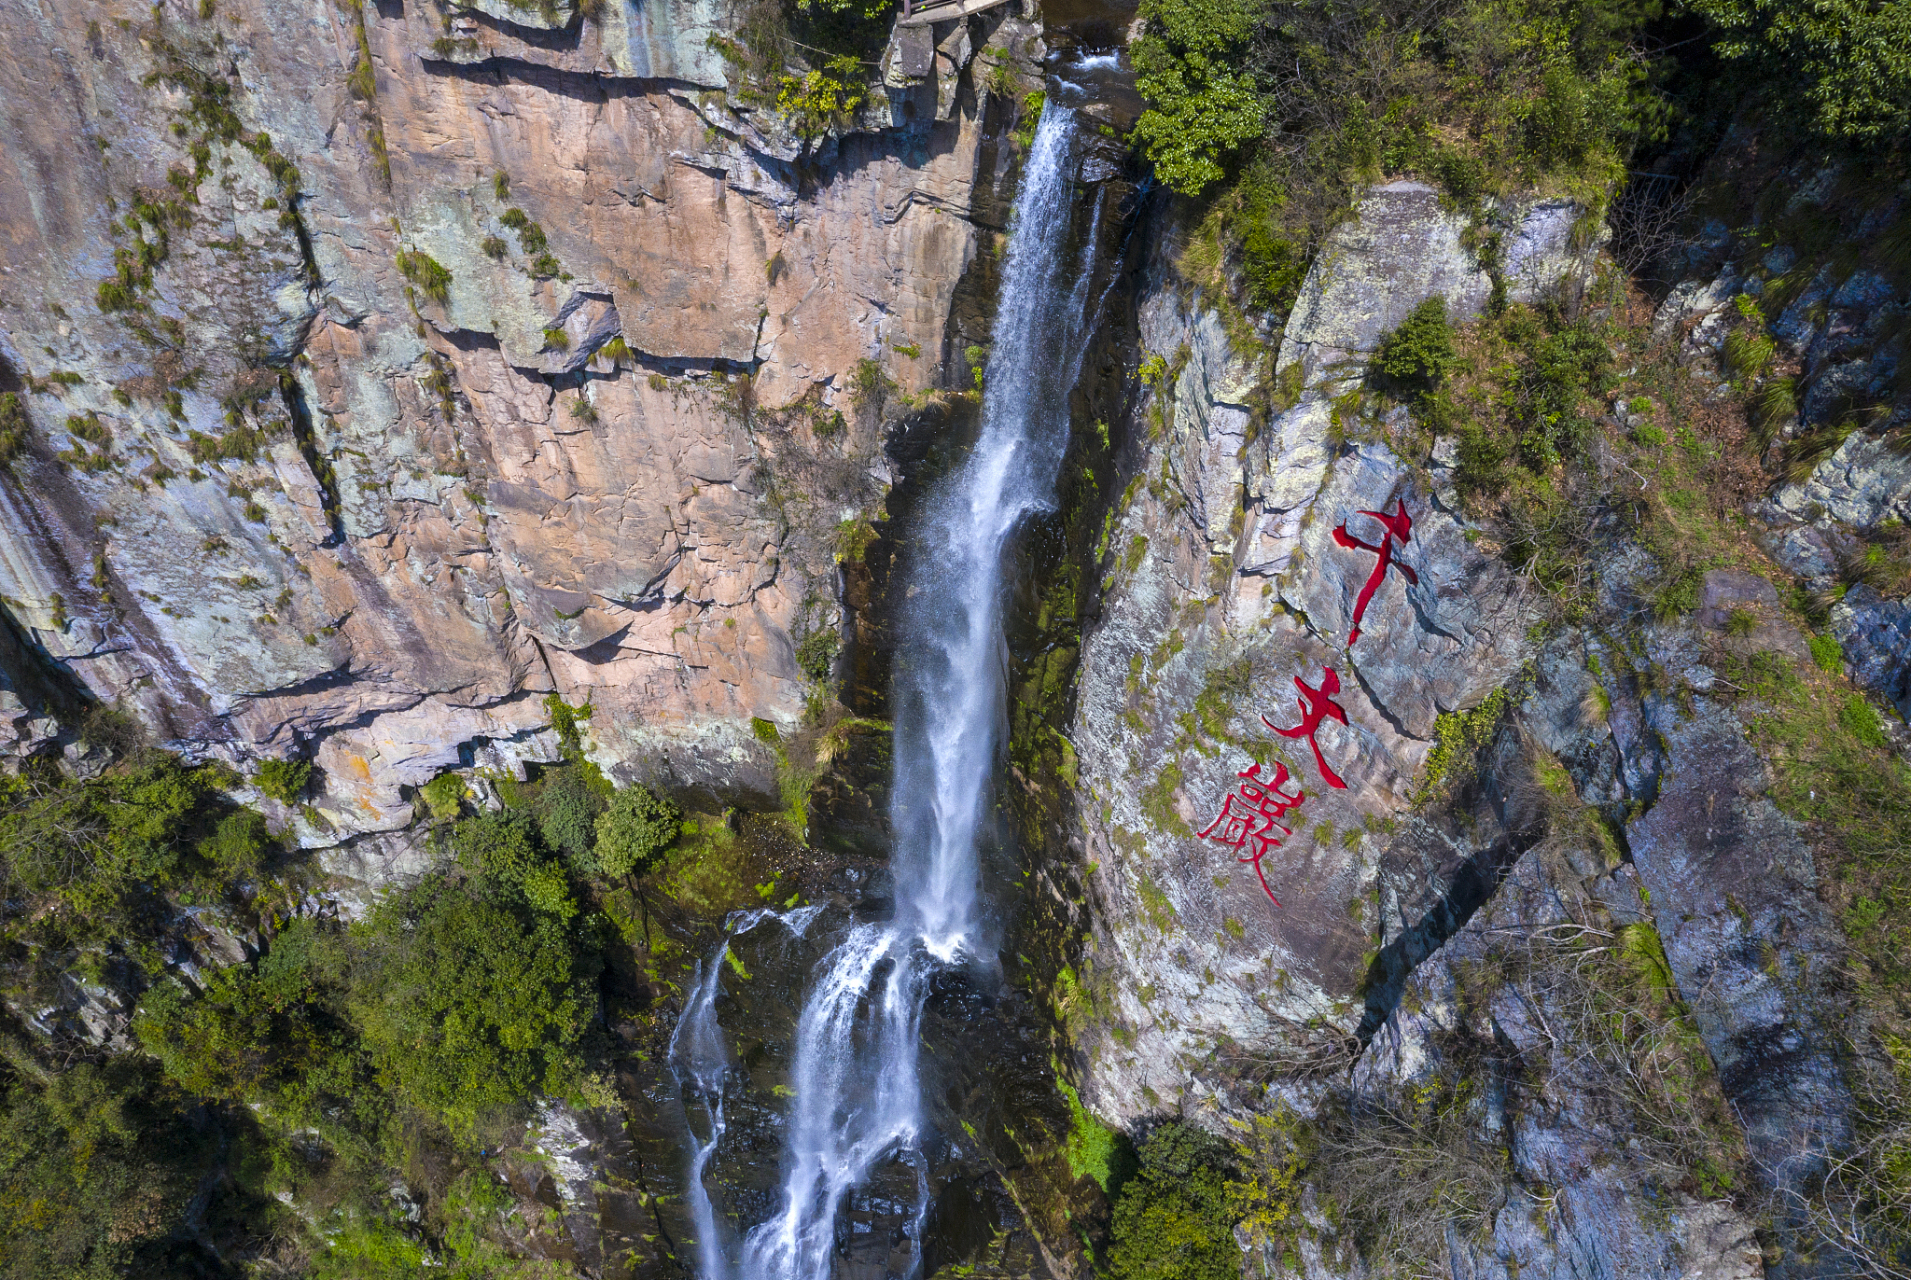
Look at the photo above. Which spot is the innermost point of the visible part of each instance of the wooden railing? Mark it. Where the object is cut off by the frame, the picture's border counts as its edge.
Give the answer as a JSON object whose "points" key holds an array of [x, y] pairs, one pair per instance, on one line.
{"points": [[921, 13]]}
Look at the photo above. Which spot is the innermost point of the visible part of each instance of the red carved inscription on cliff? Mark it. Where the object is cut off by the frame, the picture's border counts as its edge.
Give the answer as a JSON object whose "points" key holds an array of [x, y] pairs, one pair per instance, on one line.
{"points": [[1316, 705], [1252, 814], [1398, 525]]}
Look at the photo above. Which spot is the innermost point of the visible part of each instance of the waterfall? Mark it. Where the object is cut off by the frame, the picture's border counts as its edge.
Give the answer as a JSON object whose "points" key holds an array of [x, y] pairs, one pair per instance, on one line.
{"points": [[700, 1062], [855, 1070]]}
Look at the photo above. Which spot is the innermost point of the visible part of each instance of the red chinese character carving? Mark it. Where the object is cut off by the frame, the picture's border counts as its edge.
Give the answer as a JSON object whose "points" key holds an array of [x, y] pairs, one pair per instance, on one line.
{"points": [[1316, 705], [1250, 816], [1398, 525]]}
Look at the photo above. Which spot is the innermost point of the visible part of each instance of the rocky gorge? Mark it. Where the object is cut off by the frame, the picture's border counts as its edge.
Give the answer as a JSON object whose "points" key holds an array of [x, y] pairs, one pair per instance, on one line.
{"points": [[1453, 770]]}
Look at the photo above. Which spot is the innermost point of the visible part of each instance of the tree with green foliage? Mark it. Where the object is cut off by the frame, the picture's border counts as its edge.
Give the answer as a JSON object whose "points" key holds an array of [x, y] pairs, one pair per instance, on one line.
{"points": [[1175, 1218], [1202, 106], [635, 831], [98, 1163], [500, 846], [237, 844], [821, 98], [566, 812], [271, 1031], [469, 1003], [1845, 63], [92, 850]]}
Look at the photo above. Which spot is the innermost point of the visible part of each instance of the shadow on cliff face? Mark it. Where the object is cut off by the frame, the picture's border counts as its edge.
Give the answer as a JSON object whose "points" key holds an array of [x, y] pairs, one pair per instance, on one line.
{"points": [[1452, 860]]}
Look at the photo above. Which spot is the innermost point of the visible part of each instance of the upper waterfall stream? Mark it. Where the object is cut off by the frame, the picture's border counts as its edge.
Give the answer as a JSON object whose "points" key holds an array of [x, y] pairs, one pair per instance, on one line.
{"points": [[854, 1071]]}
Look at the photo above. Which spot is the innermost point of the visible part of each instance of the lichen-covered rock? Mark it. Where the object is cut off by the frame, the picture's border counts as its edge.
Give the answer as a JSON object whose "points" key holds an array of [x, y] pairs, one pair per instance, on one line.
{"points": [[1229, 585], [1866, 482], [1585, 1196], [1730, 877], [1875, 634], [448, 378]]}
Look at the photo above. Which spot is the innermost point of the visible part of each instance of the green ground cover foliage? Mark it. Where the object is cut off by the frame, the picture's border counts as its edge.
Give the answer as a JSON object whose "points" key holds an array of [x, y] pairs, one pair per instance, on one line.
{"points": [[1174, 1219], [1275, 113], [321, 1064], [97, 1165]]}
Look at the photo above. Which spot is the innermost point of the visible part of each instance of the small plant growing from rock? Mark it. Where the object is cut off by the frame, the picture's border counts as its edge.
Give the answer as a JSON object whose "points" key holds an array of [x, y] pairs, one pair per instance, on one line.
{"points": [[493, 247], [443, 796], [431, 277], [869, 384], [283, 780], [820, 99]]}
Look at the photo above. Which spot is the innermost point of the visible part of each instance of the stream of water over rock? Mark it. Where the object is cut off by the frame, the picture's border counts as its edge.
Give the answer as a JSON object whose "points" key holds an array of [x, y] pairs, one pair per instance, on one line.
{"points": [[854, 1073]]}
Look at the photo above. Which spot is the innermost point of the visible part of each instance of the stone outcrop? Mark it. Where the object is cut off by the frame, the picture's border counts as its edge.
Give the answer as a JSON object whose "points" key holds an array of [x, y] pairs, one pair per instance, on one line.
{"points": [[1839, 332], [1396, 935], [1229, 585], [435, 379]]}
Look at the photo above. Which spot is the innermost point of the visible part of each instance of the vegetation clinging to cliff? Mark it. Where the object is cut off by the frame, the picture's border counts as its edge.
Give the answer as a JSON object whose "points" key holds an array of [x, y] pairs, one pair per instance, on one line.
{"points": [[1277, 114]]}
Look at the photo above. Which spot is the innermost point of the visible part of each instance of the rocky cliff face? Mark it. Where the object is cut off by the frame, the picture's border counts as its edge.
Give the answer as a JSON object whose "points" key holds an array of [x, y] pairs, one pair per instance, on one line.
{"points": [[1229, 586], [1625, 800], [379, 374], [385, 370]]}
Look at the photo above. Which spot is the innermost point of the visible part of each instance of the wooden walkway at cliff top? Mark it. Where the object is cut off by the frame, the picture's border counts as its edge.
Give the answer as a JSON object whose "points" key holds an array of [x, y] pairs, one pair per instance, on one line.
{"points": [[923, 15]]}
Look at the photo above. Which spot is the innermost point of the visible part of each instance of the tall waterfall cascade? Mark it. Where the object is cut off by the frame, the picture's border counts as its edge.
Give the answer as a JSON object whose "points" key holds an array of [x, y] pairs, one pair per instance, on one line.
{"points": [[855, 1066]]}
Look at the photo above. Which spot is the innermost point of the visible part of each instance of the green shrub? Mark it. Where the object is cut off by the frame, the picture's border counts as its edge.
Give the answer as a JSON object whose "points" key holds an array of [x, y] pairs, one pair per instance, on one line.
{"points": [[1842, 65], [237, 844], [635, 831], [101, 1162], [498, 846], [1174, 1220], [444, 796], [283, 780], [96, 849], [566, 811], [468, 1004], [250, 1032], [869, 384], [1827, 653], [1419, 354], [1565, 365], [1572, 117], [548, 891], [821, 99], [815, 653]]}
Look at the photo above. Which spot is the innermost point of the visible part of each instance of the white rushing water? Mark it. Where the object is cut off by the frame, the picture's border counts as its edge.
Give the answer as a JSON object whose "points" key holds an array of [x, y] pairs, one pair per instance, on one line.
{"points": [[855, 1066]]}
